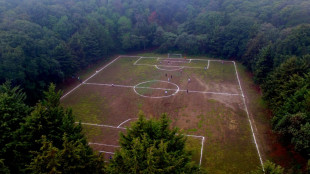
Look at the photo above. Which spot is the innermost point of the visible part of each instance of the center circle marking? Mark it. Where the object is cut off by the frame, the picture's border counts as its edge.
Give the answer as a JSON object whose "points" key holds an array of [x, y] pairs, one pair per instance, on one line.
{"points": [[137, 86], [177, 68]]}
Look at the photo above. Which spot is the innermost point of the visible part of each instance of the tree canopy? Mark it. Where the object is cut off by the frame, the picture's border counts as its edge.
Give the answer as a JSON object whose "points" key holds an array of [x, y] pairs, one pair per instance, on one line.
{"points": [[151, 146]]}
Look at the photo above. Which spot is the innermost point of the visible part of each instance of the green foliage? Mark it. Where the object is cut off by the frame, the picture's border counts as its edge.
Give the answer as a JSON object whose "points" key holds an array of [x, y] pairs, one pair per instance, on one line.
{"points": [[264, 65], [48, 41], [12, 113], [3, 169], [51, 120], [73, 157], [150, 146], [270, 168]]}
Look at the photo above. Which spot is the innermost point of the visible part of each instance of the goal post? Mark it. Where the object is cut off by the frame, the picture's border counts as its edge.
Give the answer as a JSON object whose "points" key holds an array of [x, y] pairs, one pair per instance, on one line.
{"points": [[174, 55]]}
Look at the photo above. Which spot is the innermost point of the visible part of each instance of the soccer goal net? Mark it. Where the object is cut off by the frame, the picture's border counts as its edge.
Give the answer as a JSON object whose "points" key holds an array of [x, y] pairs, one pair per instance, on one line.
{"points": [[174, 55]]}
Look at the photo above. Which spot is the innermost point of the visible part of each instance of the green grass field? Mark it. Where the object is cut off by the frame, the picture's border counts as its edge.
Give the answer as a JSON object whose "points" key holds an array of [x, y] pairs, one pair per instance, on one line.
{"points": [[212, 109]]}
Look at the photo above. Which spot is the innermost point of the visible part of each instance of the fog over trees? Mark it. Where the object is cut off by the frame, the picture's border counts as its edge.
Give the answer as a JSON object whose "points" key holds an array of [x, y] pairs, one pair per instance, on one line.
{"points": [[44, 41]]}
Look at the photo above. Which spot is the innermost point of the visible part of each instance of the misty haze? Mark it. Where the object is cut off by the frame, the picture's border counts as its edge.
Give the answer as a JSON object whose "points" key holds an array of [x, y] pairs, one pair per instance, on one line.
{"points": [[155, 86]]}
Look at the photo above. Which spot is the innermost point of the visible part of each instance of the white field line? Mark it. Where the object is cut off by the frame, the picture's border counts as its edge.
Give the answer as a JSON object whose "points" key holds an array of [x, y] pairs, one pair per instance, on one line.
{"points": [[106, 152], [201, 151], [137, 61], [100, 70], [99, 144], [196, 136], [150, 57], [165, 89], [247, 112], [171, 66], [208, 64], [166, 58], [215, 60], [70, 91], [115, 85], [126, 121], [102, 125], [89, 78], [207, 92], [129, 56], [169, 69], [176, 61]]}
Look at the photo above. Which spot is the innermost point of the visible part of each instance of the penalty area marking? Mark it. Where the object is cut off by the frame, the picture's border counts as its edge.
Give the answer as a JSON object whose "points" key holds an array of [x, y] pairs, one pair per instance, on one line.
{"points": [[125, 122], [101, 125], [99, 144], [247, 112], [106, 152]]}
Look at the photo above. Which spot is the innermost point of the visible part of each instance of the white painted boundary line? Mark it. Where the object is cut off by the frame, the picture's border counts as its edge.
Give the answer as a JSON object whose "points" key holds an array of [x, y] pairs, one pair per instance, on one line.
{"points": [[137, 61], [102, 125], [201, 151], [99, 144], [70, 91], [169, 66], [101, 69], [89, 77], [125, 122], [129, 56], [247, 112], [106, 152], [115, 85], [206, 92], [167, 89], [215, 60], [179, 68], [175, 61]]}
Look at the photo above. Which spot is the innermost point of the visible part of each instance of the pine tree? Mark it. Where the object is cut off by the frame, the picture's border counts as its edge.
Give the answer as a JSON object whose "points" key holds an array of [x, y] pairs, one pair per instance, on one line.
{"points": [[72, 157], [150, 146], [269, 168], [52, 121], [12, 113]]}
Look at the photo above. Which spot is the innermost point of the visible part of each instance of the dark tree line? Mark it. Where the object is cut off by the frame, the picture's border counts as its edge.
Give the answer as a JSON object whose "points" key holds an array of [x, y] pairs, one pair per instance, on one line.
{"points": [[50, 40]]}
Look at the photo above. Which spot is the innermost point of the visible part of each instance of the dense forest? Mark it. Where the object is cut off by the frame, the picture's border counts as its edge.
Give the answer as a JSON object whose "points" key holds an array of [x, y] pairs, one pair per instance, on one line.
{"points": [[44, 41]]}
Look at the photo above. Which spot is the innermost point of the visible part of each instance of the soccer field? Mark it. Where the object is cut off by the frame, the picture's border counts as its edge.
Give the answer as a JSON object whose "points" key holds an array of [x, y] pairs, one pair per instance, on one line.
{"points": [[203, 97]]}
